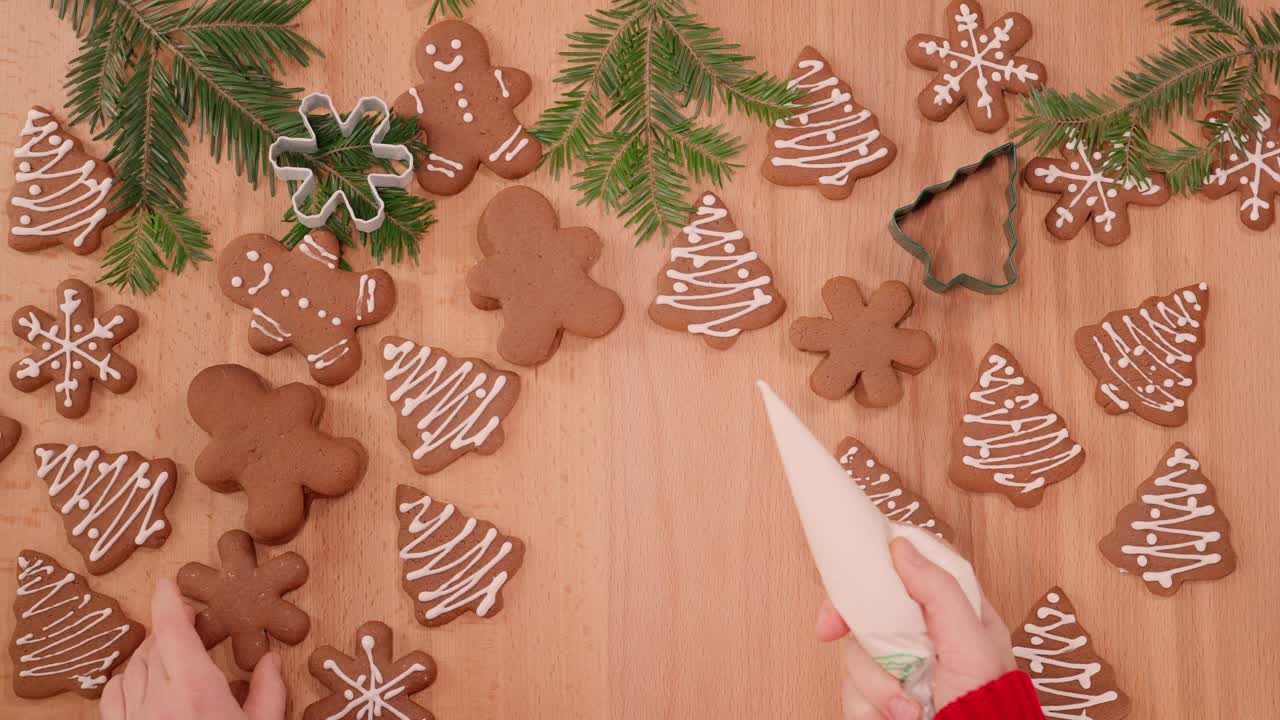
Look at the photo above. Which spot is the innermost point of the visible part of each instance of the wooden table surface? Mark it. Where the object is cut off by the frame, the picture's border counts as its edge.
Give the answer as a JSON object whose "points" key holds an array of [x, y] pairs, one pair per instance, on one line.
{"points": [[667, 575]]}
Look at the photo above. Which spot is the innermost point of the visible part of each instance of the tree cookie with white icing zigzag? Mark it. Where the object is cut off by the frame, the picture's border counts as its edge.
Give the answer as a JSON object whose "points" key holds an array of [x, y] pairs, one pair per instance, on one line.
{"points": [[1144, 357], [885, 490], [1009, 440], [466, 107], [61, 195], [830, 141], [1175, 531]]}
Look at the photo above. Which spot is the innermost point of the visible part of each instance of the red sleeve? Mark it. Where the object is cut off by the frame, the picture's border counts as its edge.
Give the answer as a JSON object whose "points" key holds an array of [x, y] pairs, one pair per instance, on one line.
{"points": [[1008, 697]]}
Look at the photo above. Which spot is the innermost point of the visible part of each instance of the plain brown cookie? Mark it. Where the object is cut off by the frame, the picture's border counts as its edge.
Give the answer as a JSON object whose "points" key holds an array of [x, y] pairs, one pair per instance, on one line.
{"points": [[1249, 165], [1087, 191], [865, 349], [267, 443], [975, 65], [885, 490], [300, 298], [831, 141], [445, 406], [66, 637], [537, 273], [74, 349], [1009, 441], [369, 683], [111, 503], [714, 284], [1144, 358], [1175, 531], [453, 564], [60, 195], [466, 107], [244, 600], [1071, 680], [10, 433]]}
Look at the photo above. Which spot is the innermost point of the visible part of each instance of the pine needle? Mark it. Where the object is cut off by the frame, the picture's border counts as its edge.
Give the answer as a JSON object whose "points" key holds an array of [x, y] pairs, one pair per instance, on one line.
{"points": [[453, 7]]}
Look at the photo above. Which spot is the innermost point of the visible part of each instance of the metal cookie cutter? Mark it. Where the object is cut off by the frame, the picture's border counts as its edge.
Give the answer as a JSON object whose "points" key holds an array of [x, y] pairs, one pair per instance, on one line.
{"points": [[309, 144], [964, 280]]}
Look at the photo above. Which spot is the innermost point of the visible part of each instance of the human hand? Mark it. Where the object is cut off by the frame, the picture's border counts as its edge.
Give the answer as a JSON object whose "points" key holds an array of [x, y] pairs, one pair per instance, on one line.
{"points": [[972, 650], [172, 676]]}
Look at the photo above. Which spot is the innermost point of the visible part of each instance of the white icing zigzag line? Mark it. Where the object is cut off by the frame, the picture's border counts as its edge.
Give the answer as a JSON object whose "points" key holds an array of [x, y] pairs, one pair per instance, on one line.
{"points": [[1090, 182], [70, 642], [371, 700], [1184, 538], [314, 250], [967, 22], [1025, 446], [70, 355], [327, 356], [712, 284], [271, 329], [1161, 333], [94, 192], [128, 498], [1257, 159], [449, 169], [1049, 648], [462, 586], [829, 153], [493, 157], [444, 420]]}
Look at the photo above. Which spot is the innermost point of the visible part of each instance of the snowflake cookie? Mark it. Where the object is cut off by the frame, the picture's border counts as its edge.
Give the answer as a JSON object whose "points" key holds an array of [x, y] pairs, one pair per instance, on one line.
{"points": [[74, 350], [1250, 166], [1088, 191], [975, 66], [370, 684]]}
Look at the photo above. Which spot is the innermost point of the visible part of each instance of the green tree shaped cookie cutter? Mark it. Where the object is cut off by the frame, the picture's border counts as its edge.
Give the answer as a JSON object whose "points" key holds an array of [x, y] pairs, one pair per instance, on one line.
{"points": [[964, 280]]}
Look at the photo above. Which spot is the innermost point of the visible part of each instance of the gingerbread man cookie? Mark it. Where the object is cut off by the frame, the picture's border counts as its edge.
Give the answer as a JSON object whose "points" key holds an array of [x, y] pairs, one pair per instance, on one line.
{"points": [[466, 106], [267, 443], [536, 272], [370, 684], [299, 297]]}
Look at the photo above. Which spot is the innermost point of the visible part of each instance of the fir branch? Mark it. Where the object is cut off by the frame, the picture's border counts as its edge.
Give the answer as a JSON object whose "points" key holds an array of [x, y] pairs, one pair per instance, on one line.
{"points": [[150, 239], [638, 80], [453, 7], [1225, 17]]}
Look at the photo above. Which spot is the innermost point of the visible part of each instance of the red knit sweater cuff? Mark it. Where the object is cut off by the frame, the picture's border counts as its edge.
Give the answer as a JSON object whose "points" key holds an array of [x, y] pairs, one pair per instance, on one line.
{"points": [[1009, 697]]}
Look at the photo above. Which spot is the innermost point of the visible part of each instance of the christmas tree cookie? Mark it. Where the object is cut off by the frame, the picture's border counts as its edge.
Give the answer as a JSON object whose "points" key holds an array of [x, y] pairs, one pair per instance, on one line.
{"points": [[1175, 531], [831, 141], [453, 564], [1144, 357], [66, 637], [715, 286], [111, 503], [885, 490], [60, 195], [1009, 440], [1248, 166], [1072, 682]]}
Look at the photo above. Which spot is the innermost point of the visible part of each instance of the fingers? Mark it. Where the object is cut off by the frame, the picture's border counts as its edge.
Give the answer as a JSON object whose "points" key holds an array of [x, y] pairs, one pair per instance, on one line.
{"points": [[176, 642], [831, 625], [998, 635], [868, 685], [134, 681], [111, 706], [949, 617], [267, 693]]}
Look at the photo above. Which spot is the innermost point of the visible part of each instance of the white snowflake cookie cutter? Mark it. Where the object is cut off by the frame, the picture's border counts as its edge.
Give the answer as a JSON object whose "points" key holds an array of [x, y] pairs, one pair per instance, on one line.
{"points": [[307, 178]]}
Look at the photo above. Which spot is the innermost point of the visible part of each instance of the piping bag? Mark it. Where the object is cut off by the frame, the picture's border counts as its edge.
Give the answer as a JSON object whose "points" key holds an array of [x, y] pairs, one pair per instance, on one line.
{"points": [[849, 539]]}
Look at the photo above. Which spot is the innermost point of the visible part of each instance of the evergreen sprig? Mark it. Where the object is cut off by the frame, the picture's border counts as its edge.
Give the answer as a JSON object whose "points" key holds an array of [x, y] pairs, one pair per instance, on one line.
{"points": [[453, 7], [1224, 61], [638, 81]]}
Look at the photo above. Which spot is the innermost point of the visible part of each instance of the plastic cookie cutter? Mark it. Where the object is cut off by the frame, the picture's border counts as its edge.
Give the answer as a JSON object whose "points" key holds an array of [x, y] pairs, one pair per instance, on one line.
{"points": [[307, 178], [965, 280]]}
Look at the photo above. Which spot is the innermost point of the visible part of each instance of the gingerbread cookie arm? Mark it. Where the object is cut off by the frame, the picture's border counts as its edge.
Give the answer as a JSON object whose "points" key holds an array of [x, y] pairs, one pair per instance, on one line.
{"points": [[345, 453], [441, 175], [514, 85], [409, 104], [597, 315]]}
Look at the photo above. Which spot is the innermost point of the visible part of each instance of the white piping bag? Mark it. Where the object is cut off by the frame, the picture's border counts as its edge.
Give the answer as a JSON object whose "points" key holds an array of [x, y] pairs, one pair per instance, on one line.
{"points": [[849, 539]]}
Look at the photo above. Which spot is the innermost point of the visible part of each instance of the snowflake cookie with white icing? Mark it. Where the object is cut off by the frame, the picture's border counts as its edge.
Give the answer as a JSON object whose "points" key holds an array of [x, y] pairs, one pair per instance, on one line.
{"points": [[371, 683], [975, 65], [1175, 531], [74, 349], [60, 195], [1248, 166], [301, 298], [466, 106]]}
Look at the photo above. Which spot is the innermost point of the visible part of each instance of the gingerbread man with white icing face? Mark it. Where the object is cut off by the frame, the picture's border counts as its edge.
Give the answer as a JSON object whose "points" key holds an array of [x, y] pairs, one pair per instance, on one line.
{"points": [[467, 109]]}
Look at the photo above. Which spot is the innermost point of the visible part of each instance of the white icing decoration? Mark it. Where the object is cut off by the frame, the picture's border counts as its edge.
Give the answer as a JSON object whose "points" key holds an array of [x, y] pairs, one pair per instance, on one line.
{"points": [[497, 73], [68, 346], [1051, 642], [82, 200], [329, 355], [1028, 443], [369, 696], [1091, 186], [966, 21], [457, 579], [445, 421], [493, 157], [121, 500], [271, 328], [314, 250], [821, 147], [450, 66], [719, 281], [887, 499], [1167, 537], [417, 99]]}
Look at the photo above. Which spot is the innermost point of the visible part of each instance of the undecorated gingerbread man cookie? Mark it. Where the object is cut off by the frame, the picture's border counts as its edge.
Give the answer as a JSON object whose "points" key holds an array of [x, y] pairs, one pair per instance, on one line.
{"points": [[466, 106]]}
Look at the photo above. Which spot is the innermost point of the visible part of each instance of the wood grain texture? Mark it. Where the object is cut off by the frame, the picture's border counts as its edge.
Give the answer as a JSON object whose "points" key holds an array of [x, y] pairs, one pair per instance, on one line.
{"points": [[666, 573]]}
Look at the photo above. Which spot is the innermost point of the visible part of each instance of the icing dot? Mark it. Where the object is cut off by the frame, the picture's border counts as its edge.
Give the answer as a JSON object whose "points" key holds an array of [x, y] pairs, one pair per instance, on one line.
{"points": [[1234, 157], [1155, 513], [457, 87], [468, 117], [891, 505], [1075, 166], [1008, 370], [348, 694], [884, 477], [964, 43], [431, 49], [35, 190], [77, 365], [1037, 641], [462, 102], [1149, 389], [1097, 156], [46, 346], [79, 328], [93, 346], [729, 247], [995, 76], [93, 533], [871, 463], [336, 321], [24, 167], [1008, 404], [1052, 597], [252, 255], [744, 273], [1111, 193], [456, 44], [708, 200], [680, 287], [366, 642], [481, 392], [83, 504], [237, 281], [284, 292], [1152, 539], [144, 483], [25, 219], [1142, 561], [999, 56], [848, 108], [954, 64], [55, 139], [322, 313], [1244, 181], [1072, 187], [304, 303]]}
